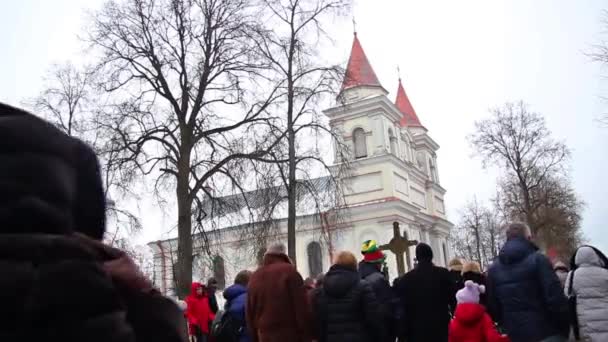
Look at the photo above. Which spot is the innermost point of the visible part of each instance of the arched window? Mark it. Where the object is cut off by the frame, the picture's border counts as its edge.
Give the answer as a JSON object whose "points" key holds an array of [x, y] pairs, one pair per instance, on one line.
{"points": [[432, 170], [360, 143], [219, 272], [315, 264], [393, 141]]}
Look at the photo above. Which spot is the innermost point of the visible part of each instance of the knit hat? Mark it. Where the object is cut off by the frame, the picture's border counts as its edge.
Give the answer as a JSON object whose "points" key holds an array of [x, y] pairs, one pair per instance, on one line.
{"points": [[371, 252], [470, 292], [50, 182], [424, 252]]}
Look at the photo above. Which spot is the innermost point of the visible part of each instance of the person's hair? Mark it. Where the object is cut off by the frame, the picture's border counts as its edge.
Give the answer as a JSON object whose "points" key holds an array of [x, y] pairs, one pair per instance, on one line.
{"points": [[211, 281], [518, 229], [346, 259], [242, 278], [276, 248], [310, 281], [471, 266]]}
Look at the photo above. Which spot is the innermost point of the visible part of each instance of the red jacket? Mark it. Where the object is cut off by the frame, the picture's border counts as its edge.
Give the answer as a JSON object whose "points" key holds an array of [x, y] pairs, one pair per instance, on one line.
{"points": [[198, 311], [471, 323]]}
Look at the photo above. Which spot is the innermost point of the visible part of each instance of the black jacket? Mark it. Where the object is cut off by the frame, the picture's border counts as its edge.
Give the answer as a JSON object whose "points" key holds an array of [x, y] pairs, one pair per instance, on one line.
{"points": [[425, 293], [345, 309], [387, 300], [457, 284], [525, 295]]}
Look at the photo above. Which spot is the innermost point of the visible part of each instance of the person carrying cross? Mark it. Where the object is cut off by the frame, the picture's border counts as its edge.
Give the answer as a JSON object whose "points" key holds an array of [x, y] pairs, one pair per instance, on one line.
{"points": [[370, 270]]}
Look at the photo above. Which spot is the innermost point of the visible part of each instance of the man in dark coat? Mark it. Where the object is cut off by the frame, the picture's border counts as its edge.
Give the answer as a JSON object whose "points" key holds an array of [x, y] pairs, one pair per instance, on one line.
{"points": [[455, 268], [58, 281], [524, 294], [370, 269], [345, 307], [425, 296], [277, 305]]}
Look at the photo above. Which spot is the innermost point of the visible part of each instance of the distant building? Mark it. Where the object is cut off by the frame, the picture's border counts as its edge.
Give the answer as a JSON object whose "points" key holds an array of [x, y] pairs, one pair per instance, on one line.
{"points": [[394, 178]]}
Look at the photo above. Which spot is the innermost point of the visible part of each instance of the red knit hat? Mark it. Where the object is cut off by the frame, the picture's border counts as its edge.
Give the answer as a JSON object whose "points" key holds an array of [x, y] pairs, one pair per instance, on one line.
{"points": [[371, 252]]}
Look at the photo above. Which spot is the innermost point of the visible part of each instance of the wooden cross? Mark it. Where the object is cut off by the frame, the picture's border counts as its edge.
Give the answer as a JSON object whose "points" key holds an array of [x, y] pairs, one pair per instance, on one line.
{"points": [[399, 245]]}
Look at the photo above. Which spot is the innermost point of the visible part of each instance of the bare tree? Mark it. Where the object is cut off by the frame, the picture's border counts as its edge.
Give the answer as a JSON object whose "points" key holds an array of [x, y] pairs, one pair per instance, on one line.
{"points": [[71, 102], [535, 178], [477, 235], [188, 105], [65, 99], [556, 212], [292, 47], [599, 53]]}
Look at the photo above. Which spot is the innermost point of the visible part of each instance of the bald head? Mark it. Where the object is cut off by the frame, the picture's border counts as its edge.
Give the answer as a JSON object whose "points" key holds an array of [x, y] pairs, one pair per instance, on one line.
{"points": [[518, 230]]}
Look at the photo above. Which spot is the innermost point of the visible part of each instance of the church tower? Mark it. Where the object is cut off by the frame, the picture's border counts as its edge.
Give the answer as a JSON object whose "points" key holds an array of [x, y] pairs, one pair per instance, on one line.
{"points": [[394, 175]]}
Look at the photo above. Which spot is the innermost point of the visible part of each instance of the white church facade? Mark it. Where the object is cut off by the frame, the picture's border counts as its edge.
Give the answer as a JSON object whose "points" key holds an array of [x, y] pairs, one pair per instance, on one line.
{"points": [[393, 178]]}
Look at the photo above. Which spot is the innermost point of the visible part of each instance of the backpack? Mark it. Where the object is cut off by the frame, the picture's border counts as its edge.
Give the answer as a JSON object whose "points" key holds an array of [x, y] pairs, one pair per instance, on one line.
{"points": [[225, 328]]}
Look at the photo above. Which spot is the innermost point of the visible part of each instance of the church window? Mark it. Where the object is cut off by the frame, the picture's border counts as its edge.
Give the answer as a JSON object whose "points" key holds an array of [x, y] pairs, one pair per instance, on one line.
{"points": [[393, 141], [360, 143], [219, 271], [315, 264], [432, 170]]}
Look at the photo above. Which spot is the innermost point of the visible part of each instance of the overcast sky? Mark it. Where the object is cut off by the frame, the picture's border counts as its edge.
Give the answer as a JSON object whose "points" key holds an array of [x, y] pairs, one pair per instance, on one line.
{"points": [[457, 59]]}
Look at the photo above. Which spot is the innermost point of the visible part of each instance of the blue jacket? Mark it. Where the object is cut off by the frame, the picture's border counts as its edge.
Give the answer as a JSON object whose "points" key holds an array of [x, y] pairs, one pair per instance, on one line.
{"points": [[525, 295], [236, 298], [385, 296]]}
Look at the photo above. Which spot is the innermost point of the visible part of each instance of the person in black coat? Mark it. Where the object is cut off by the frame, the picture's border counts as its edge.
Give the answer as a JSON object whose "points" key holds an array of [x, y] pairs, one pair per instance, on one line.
{"points": [[455, 268], [425, 293], [58, 281], [524, 294], [370, 270], [345, 308]]}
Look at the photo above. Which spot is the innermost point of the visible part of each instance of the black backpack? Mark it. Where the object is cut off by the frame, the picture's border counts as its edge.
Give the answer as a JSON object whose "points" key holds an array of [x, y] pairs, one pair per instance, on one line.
{"points": [[226, 328]]}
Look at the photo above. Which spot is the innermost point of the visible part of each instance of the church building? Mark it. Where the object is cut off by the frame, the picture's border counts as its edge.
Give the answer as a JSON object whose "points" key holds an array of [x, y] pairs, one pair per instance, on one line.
{"points": [[393, 189]]}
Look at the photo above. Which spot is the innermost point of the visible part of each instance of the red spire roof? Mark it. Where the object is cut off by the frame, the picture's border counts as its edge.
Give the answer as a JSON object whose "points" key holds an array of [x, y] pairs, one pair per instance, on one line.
{"points": [[358, 71], [409, 117]]}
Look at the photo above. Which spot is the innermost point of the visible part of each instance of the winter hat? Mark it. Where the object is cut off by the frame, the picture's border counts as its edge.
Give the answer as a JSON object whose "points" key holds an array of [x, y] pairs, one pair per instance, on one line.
{"points": [[455, 265], [471, 266], [371, 252], [424, 252], [470, 292], [49, 182]]}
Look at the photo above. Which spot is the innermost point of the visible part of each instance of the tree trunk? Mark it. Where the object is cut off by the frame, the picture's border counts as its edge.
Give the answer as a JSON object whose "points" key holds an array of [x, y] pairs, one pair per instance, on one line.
{"points": [[184, 229], [292, 187]]}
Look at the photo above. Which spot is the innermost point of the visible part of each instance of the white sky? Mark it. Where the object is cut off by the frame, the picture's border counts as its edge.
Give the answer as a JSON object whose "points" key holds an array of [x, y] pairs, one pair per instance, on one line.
{"points": [[457, 59]]}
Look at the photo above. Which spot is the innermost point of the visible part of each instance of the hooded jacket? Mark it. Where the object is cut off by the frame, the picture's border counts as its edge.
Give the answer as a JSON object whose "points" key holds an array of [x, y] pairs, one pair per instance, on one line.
{"points": [[524, 294], [236, 299], [471, 323], [346, 309], [198, 311], [590, 285], [58, 281]]}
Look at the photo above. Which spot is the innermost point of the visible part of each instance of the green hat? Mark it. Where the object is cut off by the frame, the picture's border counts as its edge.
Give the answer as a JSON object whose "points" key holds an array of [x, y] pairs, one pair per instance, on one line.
{"points": [[371, 252]]}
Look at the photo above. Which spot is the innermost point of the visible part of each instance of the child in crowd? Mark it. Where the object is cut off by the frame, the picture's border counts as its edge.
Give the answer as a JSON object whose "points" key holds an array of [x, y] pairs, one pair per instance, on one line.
{"points": [[471, 321]]}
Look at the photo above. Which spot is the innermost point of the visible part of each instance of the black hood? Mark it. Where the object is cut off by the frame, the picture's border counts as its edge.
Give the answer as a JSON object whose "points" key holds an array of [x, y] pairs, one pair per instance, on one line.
{"points": [[515, 250], [49, 181], [366, 268], [339, 280]]}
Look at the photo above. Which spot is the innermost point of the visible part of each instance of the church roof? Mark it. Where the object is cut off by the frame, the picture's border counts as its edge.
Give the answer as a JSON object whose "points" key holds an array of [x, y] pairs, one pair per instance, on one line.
{"points": [[405, 107], [359, 71]]}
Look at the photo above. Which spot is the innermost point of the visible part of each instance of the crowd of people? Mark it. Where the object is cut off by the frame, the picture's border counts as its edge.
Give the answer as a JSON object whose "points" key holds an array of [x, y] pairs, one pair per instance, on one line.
{"points": [[60, 282], [521, 297]]}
